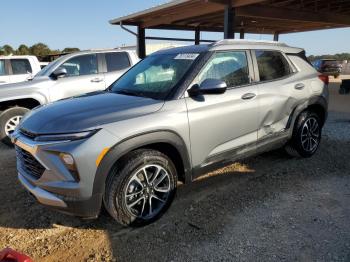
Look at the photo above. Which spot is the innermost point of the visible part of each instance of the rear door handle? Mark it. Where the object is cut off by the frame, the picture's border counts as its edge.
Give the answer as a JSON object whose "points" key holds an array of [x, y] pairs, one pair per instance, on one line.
{"points": [[299, 86], [248, 96], [96, 80]]}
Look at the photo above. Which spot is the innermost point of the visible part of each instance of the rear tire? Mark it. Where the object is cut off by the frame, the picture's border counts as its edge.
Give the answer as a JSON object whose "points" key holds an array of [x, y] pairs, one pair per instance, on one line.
{"points": [[9, 119], [306, 135], [134, 199]]}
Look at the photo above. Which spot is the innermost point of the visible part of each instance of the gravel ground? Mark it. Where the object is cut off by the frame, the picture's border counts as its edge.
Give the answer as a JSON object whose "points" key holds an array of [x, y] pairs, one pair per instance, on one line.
{"points": [[267, 208]]}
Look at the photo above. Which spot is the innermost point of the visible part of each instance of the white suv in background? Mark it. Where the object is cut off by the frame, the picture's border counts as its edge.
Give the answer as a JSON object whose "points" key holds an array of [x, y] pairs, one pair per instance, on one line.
{"points": [[70, 75], [14, 69]]}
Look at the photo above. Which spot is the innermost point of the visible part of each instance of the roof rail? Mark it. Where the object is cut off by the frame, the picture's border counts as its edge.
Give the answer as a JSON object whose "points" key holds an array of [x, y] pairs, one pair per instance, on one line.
{"points": [[248, 42]]}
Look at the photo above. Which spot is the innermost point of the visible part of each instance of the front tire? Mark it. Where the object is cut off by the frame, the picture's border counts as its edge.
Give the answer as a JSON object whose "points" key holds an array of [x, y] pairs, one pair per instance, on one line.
{"points": [[306, 135], [9, 120], [140, 188]]}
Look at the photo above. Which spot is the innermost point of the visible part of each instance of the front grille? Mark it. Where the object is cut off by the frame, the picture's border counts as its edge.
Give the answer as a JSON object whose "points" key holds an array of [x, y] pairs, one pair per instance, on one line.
{"points": [[29, 164]]}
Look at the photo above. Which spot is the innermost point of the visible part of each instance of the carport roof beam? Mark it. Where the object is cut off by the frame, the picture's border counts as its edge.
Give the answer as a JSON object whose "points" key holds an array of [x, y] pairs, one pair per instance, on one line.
{"points": [[268, 16]]}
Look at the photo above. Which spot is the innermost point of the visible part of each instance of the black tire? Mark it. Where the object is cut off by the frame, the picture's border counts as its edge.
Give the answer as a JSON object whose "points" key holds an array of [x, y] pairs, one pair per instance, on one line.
{"points": [[298, 146], [119, 181], [5, 116]]}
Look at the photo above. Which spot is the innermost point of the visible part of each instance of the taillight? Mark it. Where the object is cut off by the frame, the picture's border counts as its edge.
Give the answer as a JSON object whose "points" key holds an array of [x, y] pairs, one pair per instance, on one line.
{"points": [[324, 78]]}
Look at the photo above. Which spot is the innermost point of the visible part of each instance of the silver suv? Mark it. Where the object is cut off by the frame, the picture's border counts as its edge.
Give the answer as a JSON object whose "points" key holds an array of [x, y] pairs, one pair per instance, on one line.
{"points": [[174, 116], [71, 75]]}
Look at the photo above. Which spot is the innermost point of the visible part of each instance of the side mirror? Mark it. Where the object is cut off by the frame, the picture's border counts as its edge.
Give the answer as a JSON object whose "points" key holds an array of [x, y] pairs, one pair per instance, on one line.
{"points": [[59, 72], [208, 86]]}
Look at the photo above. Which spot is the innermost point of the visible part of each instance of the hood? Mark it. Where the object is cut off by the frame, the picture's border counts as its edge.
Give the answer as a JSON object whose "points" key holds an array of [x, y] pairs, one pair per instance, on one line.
{"points": [[15, 90], [24, 84], [87, 112]]}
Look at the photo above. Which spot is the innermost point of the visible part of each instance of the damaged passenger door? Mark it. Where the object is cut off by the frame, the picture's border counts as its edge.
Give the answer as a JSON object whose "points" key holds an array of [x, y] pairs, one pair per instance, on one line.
{"points": [[279, 90]]}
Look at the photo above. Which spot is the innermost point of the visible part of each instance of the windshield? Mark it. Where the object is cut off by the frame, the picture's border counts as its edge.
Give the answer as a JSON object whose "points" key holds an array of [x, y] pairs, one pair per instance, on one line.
{"points": [[47, 70], [155, 76]]}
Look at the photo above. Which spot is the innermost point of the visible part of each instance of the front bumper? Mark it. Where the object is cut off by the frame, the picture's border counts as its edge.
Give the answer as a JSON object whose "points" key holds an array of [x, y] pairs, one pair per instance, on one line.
{"points": [[57, 188], [43, 197]]}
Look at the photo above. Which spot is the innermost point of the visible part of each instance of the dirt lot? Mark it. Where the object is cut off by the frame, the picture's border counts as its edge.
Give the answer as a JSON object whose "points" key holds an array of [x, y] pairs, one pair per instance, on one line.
{"points": [[268, 208]]}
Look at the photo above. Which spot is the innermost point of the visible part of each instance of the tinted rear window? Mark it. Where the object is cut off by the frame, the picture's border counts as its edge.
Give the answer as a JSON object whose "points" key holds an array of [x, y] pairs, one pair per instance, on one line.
{"points": [[117, 61], [20, 66], [272, 65]]}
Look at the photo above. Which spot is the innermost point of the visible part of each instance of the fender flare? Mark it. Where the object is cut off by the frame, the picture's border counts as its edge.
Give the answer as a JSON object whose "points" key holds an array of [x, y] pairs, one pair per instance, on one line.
{"points": [[127, 145]]}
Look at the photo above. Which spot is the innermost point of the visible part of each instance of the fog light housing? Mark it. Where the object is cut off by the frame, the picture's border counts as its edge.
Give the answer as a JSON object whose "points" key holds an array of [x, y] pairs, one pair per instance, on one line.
{"points": [[69, 162], [67, 159]]}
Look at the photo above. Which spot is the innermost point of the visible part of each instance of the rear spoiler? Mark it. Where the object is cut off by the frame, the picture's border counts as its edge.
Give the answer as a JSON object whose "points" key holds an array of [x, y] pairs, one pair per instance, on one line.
{"points": [[302, 55]]}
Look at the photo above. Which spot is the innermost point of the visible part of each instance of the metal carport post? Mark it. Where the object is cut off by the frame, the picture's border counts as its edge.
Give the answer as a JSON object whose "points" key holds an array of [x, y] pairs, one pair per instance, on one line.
{"points": [[229, 20]]}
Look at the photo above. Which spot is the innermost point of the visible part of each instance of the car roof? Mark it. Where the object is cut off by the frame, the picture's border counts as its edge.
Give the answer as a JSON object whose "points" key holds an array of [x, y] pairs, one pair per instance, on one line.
{"points": [[97, 51], [184, 49], [16, 56], [229, 44]]}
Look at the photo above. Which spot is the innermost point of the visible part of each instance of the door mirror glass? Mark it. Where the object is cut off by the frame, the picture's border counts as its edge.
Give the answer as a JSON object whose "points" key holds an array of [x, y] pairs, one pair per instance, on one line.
{"points": [[59, 72]]}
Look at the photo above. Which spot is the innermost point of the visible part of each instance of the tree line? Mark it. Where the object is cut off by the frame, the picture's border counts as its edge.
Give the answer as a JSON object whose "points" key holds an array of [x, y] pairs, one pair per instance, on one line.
{"points": [[39, 49]]}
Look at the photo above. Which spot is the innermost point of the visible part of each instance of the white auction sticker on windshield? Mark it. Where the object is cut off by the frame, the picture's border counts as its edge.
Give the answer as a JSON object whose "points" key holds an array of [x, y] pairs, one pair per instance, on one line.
{"points": [[188, 56]]}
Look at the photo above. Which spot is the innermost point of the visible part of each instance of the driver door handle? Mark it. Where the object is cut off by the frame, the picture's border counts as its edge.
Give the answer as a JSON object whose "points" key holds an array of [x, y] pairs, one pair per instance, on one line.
{"points": [[299, 86], [96, 80], [248, 96]]}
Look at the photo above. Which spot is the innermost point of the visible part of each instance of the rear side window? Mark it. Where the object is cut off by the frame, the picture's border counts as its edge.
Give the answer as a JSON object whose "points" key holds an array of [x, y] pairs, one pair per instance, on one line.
{"points": [[117, 61], [2, 68], [20, 66], [272, 65]]}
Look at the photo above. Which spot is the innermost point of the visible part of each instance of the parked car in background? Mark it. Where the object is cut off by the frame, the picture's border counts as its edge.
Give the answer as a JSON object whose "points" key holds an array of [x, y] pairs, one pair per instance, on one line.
{"points": [[328, 67], [14, 69], [70, 75], [43, 64], [177, 114]]}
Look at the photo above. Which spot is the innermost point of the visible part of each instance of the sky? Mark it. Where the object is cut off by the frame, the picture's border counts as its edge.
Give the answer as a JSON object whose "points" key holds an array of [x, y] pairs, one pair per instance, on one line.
{"points": [[84, 24]]}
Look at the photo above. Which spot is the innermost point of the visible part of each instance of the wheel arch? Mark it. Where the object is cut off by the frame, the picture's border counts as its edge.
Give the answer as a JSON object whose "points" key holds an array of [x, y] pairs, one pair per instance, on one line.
{"points": [[317, 104], [28, 103], [319, 110], [165, 141]]}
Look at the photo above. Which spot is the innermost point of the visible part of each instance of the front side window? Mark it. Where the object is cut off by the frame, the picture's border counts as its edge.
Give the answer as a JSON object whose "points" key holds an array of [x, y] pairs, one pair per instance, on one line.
{"points": [[2, 68], [20, 66], [155, 76], [272, 65], [230, 67], [81, 65], [117, 61]]}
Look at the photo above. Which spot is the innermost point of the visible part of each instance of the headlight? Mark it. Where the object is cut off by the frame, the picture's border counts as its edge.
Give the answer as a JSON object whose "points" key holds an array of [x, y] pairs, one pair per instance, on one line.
{"points": [[66, 137]]}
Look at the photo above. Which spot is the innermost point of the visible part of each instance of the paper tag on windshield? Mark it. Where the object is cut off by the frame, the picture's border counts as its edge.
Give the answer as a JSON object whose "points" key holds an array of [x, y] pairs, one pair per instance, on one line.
{"points": [[186, 56]]}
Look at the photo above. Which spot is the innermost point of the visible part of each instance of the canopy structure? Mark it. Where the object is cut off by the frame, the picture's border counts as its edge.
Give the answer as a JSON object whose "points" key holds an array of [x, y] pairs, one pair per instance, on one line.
{"points": [[238, 16]]}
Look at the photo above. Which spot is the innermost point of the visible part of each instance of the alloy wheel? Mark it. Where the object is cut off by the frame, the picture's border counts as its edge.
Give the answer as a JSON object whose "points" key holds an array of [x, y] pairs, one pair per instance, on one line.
{"points": [[147, 191], [11, 124], [310, 135]]}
